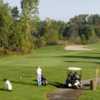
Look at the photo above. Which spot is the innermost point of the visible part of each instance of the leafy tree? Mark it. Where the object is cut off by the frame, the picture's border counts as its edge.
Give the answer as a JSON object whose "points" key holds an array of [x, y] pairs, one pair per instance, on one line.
{"points": [[5, 25], [51, 32], [29, 8], [82, 26], [15, 13]]}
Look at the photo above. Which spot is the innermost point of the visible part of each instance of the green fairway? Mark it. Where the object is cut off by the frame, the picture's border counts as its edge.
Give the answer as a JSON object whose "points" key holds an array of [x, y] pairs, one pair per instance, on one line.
{"points": [[54, 60], [91, 95]]}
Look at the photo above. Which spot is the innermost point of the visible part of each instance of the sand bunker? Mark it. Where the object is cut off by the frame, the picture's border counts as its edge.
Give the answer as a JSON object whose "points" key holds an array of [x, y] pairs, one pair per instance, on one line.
{"points": [[77, 47]]}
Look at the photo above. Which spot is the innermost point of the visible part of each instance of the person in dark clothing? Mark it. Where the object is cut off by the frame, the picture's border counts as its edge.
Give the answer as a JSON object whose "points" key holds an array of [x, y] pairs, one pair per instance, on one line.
{"points": [[69, 79], [44, 80], [76, 80], [73, 79]]}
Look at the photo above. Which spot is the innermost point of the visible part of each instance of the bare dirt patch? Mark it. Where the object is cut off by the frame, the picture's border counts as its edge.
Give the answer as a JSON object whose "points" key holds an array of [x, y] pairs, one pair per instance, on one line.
{"points": [[65, 94], [70, 94], [77, 47]]}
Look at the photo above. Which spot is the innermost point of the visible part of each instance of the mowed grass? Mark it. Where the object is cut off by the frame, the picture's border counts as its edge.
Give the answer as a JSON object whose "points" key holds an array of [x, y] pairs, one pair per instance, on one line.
{"points": [[54, 60], [91, 95]]}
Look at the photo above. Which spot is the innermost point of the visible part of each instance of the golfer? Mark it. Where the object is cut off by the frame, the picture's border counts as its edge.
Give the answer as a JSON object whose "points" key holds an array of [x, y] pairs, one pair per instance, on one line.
{"points": [[39, 76]]}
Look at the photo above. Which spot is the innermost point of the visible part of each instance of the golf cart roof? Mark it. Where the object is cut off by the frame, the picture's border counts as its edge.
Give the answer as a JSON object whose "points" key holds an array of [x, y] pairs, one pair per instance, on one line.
{"points": [[74, 68]]}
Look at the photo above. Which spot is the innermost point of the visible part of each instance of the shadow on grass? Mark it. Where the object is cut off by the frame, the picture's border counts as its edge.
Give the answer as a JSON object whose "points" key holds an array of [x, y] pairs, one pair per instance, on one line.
{"points": [[25, 83], [57, 84], [85, 85], [85, 57], [75, 61], [2, 89], [82, 57], [73, 56], [33, 83]]}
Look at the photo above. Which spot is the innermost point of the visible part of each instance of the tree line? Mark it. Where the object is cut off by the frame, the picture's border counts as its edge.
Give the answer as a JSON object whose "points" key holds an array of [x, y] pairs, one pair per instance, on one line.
{"points": [[23, 31]]}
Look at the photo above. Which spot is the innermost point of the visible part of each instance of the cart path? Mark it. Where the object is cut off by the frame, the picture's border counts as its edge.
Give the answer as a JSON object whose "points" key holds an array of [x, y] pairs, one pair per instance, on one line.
{"points": [[65, 94], [68, 94]]}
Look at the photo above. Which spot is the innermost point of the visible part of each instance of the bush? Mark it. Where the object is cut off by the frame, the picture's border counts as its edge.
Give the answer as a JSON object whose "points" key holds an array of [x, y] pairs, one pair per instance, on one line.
{"points": [[52, 38]]}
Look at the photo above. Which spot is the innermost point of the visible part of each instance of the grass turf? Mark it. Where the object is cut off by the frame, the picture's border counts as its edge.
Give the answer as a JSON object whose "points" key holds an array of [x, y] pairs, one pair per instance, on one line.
{"points": [[21, 70]]}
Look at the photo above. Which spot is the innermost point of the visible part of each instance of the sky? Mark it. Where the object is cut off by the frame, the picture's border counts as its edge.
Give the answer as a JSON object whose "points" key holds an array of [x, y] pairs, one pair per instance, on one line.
{"points": [[63, 9]]}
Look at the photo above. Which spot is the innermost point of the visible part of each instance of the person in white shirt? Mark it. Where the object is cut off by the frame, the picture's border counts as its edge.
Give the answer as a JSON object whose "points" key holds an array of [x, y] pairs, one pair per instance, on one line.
{"points": [[39, 76], [7, 85]]}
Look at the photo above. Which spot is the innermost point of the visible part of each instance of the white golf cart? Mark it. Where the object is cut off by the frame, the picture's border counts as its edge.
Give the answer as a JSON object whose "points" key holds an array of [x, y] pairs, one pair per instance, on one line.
{"points": [[73, 79]]}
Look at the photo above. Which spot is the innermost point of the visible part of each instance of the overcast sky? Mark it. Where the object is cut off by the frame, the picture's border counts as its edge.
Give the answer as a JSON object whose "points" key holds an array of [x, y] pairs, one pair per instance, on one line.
{"points": [[64, 9]]}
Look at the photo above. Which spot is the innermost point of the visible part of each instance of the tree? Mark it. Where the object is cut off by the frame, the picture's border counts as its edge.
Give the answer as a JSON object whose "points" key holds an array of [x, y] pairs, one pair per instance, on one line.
{"points": [[5, 25], [51, 34], [29, 8], [84, 33], [15, 13], [81, 29]]}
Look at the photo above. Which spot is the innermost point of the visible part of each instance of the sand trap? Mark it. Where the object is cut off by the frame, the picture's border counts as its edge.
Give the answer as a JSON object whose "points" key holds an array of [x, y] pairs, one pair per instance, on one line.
{"points": [[77, 47]]}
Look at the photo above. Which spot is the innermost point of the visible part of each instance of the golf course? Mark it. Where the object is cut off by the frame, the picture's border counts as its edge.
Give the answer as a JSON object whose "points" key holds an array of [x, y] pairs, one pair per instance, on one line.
{"points": [[54, 60], [49, 50]]}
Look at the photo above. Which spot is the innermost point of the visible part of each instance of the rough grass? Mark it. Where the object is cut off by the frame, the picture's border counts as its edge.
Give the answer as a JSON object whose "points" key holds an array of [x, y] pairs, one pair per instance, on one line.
{"points": [[21, 70]]}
